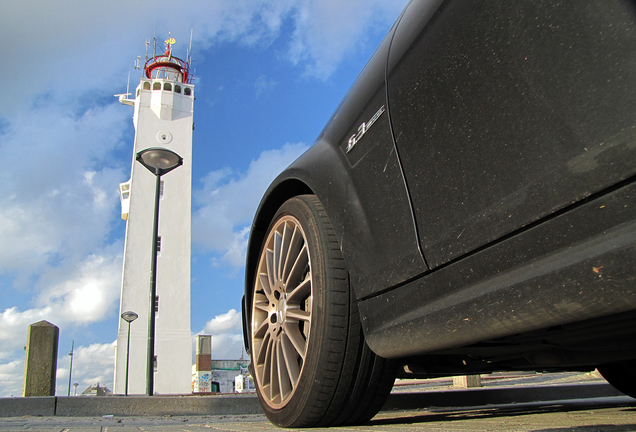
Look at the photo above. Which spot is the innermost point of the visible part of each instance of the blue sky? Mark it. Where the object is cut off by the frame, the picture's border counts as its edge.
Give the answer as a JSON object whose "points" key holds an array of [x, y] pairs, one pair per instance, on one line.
{"points": [[268, 74]]}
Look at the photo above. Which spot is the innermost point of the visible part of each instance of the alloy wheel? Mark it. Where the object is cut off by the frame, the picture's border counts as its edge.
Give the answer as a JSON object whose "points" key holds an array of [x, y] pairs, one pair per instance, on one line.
{"points": [[281, 314]]}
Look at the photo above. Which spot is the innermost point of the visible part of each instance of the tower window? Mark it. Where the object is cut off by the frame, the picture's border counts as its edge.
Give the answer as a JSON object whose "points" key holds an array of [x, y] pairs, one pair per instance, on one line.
{"points": [[156, 305], [124, 196], [146, 85], [177, 88], [161, 189], [167, 86], [154, 364], [156, 86], [158, 245], [187, 91]]}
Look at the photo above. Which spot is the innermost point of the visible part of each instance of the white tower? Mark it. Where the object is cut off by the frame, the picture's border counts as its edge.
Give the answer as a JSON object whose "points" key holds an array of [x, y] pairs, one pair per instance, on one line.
{"points": [[163, 108]]}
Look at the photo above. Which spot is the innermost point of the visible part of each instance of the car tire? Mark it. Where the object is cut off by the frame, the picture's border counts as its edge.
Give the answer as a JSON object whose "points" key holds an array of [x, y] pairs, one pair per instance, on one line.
{"points": [[311, 364], [621, 375]]}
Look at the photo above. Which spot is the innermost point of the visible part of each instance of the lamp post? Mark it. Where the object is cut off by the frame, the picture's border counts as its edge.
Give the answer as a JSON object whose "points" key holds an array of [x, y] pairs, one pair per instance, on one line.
{"points": [[70, 369], [128, 316], [158, 161]]}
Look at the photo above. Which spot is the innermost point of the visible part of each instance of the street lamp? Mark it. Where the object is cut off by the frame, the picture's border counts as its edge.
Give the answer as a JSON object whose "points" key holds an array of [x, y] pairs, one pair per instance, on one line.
{"points": [[70, 369], [159, 161], [128, 316]]}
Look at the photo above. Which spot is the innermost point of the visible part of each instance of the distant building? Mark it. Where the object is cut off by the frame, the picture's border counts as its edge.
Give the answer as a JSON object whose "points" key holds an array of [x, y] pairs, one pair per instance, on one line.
{"points": [[97, 390], [218, 376]]}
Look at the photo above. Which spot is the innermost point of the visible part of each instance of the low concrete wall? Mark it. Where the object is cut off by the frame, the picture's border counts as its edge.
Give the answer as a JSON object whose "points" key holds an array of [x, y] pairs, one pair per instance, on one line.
{"points": [[239, 404], [25, 406], [157, 405]]}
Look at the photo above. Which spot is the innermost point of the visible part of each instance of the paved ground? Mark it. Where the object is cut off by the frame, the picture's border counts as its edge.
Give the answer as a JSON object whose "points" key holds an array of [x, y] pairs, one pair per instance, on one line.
{"points": [[603, 414], [616, 414]]}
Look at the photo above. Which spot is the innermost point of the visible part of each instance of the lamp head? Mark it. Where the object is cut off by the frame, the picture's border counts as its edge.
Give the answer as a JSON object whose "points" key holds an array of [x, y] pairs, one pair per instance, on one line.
{"points": [[129, 316], [158, 160]]}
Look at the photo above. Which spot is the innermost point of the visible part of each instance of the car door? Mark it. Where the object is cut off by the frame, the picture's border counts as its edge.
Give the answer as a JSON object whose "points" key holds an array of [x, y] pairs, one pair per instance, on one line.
{"points": [[507, 112]]}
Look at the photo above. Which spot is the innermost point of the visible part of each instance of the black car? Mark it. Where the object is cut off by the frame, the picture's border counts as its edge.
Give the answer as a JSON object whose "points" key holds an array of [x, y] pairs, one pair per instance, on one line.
{"points": [[470, 207]]}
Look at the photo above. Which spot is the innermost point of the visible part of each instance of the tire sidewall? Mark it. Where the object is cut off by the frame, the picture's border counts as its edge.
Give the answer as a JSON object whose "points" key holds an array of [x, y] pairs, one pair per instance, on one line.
{"points": [[309, 392]]}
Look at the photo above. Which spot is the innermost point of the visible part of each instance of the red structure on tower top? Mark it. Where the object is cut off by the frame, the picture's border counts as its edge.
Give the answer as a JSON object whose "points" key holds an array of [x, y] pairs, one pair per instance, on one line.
{"points": [[168, 67]]}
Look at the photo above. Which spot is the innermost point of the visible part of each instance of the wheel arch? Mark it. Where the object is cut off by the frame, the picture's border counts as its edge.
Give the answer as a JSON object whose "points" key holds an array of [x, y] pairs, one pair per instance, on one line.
{"points": [[302, 177], [273, 199]]}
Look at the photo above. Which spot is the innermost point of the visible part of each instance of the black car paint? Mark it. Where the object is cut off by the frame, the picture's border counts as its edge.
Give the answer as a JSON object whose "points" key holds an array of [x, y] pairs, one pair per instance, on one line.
{"points": [[517, 109], [522, 235]]}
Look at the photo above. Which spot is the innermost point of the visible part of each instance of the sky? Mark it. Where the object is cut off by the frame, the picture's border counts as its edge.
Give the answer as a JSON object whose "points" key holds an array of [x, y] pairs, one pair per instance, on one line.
{"points": [[268, 74]]}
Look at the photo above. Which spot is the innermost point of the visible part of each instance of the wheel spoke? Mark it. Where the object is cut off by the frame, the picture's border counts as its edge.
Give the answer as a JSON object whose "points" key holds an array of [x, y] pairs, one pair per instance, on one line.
{"points": [[298, 314], [296, 338], [261, 302], [269, 256], [291, 360], [295, 244], [288, 232], [274, 391], [297, 296], [284, 381], [263, 278], [263, 357], [299, 268], [261, 330], [278, 240]]}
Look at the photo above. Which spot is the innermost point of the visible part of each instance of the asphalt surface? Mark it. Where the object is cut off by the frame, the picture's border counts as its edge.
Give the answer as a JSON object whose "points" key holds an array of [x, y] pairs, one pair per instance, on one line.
{"points": [[611, 414]]}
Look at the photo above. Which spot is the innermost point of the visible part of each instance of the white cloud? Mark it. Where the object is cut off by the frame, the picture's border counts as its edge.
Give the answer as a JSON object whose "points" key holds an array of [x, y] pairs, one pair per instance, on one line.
{"points": [[238, 248], [59, 198], [90, 294], [99, 39], [227, 203], [227, 347], [92, 365], [327, 31], [14, 324], [229, 322], [11, 376], [85, 297]]}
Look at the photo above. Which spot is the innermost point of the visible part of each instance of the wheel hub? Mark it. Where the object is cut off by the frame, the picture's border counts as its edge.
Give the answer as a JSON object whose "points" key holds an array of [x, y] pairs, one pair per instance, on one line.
{"points": [[278, 310]]}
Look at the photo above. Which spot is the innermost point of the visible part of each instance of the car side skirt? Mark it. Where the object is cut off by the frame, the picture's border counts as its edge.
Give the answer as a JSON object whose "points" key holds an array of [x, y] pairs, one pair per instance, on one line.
{"points": [[576, 265]]}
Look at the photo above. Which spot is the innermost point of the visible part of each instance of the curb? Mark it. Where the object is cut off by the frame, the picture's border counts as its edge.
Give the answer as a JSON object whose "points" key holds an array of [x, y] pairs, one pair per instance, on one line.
{"points": [[242, 404]]}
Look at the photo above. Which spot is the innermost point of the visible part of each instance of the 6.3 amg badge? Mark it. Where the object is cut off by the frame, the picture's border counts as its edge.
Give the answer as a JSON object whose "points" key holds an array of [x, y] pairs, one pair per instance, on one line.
{"points": [[363, 128]]}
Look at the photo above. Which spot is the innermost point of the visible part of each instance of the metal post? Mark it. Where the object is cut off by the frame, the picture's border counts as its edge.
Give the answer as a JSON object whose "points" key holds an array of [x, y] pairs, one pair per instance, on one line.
{"points": [[128, 316], [70, 370], [153, 290], [127, 357], [158, 161]]}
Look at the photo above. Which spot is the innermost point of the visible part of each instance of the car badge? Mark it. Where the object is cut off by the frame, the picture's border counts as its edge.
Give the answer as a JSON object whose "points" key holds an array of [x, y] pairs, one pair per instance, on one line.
{"points": [[363, 128]]}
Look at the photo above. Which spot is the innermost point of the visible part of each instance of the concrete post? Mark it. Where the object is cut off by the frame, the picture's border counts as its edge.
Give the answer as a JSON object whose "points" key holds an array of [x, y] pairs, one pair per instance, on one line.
{"points": [[40, 363], [467, 381]]}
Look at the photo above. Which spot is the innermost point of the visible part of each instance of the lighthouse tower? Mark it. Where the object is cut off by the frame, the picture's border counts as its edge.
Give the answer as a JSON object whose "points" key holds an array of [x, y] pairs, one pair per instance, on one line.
{"points": [[163, 109]]}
